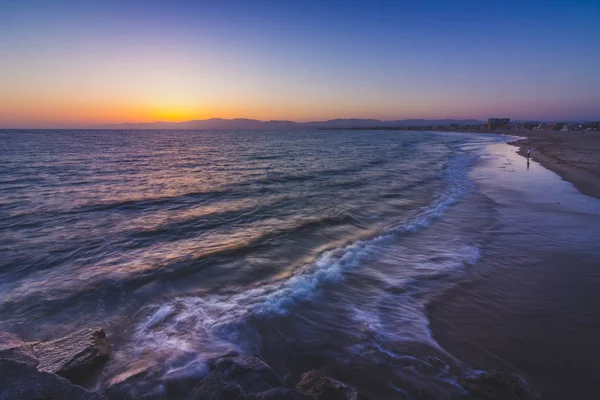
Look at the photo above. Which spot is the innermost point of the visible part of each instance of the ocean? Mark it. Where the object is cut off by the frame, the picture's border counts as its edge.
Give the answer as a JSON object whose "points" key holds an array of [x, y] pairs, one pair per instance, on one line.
{"points": [[316, 249]]}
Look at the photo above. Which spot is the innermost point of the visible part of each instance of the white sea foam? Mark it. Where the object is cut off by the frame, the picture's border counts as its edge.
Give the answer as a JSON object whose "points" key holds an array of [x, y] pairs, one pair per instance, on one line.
{"points": [[191, 322]]}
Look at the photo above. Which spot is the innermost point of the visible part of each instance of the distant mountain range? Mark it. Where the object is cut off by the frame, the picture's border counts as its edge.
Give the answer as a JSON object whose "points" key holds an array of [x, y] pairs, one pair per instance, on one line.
{"points": [[253, 124]]}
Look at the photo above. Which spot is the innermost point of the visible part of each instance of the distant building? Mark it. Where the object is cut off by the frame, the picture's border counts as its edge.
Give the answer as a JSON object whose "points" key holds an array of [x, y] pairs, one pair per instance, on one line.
{"points": [[592, 126], [531, 125], [557, 126], [498, 123]]}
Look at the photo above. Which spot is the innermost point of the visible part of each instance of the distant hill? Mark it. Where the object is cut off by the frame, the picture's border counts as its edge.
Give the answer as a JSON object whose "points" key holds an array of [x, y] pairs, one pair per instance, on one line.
{"points": [[254, 124]]}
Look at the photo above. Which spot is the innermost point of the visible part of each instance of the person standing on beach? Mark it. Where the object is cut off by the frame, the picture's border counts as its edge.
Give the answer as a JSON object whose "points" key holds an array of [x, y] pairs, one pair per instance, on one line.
{"points": [[528, 153]]}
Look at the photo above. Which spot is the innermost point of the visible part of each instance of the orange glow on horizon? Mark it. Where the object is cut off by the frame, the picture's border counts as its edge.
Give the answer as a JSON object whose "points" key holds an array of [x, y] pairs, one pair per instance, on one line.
{"points": [[40, 113], [70, 108]]}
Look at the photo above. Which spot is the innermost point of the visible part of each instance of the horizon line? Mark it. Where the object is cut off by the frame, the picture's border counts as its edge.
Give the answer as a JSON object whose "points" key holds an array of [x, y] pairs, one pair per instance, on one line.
{"points": [[116, 125]]}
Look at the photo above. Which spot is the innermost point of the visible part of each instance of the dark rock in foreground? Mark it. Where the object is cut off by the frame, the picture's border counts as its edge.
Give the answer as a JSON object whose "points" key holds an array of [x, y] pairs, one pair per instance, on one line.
{"points": [[496, 385], [216, 386], [20, 381], [242, 378], [30, 371], [74, 356], [180, 382], [323, 387], [13, 348], [134, 383], [252, 374], [278, 394]]}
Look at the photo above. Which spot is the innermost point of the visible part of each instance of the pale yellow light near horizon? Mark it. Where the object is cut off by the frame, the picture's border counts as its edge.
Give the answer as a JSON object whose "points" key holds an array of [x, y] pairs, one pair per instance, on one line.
{"points": [[128, 103], [83, 88]]}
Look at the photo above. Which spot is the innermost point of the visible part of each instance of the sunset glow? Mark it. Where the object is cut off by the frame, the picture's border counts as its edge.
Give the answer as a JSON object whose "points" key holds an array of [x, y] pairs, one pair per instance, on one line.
{"points": [[74, 64]]}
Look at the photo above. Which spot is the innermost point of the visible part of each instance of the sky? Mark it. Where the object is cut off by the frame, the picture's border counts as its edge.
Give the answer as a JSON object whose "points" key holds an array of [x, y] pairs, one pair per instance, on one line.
{"points": [[85, 62]]}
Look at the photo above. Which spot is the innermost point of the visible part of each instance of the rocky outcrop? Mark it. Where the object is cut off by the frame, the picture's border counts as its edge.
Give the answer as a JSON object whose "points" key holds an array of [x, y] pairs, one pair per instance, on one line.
{"points": [[21, 381], [249, 372], [242, 378], [215, 386], [13, 348], [75, 356], [323, 387], [496, 385], [31, 370]]}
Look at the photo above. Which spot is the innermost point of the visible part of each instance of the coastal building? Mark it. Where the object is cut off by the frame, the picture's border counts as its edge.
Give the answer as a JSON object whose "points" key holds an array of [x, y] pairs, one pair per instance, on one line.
{"points": [[498, 123], [592, 126], [558, 126], [531, 126]]}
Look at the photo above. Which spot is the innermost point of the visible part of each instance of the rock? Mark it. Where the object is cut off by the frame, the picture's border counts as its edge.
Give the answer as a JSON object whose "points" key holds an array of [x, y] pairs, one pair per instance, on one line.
{"points": [[13, 348], [242, 378], [134, 383], [215, 387], [75, 356], [179, 382], [250, 373], [495, 385], [21, 381], [323, 387], [279, 394]]}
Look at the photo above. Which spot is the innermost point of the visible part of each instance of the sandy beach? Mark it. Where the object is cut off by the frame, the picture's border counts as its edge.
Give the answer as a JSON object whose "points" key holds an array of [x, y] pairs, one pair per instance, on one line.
{"points": [[533, 310], [575, 156]]}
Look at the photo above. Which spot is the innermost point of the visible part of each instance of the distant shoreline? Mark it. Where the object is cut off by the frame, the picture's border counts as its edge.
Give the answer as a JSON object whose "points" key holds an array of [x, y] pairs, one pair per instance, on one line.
{"points": [[574, 156]]}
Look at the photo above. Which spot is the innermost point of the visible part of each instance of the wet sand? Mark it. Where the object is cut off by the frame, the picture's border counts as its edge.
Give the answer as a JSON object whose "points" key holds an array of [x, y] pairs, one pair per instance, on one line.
{"points": [[531, 304], [575, 156]]}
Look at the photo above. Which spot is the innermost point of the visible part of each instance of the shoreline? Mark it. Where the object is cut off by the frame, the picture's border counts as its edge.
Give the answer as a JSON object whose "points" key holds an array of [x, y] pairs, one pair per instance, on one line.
{"points": [[526, 306], [574, 156]]}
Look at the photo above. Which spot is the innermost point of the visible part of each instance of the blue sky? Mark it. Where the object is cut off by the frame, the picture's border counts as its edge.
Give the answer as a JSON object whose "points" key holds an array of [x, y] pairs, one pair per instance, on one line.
{"points": [[78, 62]]}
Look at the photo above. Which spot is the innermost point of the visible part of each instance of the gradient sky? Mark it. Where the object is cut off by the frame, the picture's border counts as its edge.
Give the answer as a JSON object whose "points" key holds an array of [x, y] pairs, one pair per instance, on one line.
{"points": [[84, 62]]}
